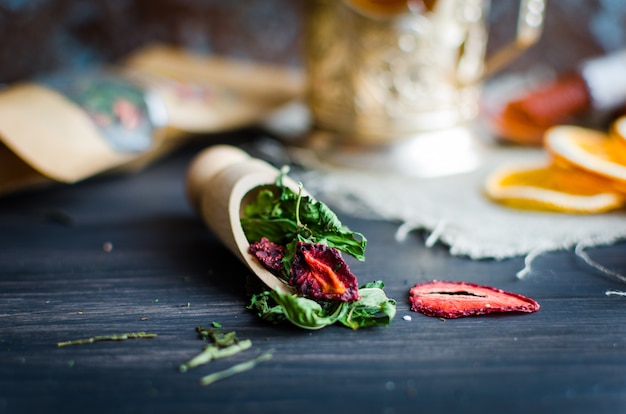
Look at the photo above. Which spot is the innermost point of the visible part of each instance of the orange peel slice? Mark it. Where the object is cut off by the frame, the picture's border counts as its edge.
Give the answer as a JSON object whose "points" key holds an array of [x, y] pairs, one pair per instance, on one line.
{"points": [[587, 149], [548, 187], [618, 135]]}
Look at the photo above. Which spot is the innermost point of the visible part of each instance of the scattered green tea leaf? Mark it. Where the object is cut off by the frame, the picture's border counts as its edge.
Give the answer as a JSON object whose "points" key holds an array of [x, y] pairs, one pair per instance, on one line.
{"points": [[212, 352], [101, 338], [235, 369], [219, 338]]}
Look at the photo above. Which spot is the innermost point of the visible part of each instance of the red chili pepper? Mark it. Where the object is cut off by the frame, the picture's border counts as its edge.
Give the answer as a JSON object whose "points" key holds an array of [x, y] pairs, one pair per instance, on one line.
{"points": [[456, 299]]}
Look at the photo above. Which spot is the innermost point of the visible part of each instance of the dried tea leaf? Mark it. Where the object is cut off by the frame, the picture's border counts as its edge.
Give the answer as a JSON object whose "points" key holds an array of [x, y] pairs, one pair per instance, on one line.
{"points": [[236, 369], [457, 299]]}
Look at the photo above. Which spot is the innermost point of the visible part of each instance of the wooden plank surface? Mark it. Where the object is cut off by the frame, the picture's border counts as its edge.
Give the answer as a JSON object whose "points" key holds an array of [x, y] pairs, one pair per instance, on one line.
{"points": [[166, 274]]}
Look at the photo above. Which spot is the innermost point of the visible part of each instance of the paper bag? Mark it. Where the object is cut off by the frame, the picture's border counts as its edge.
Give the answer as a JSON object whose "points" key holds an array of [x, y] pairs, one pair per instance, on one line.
{"points": [[68, 127]]}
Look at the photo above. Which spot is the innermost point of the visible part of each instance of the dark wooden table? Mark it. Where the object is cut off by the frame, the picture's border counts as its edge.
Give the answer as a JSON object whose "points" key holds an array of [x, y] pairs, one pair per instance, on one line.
{"points": [[167, 274]]}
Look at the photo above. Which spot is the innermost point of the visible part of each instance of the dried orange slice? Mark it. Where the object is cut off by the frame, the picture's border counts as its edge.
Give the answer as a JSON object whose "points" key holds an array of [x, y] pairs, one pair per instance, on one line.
{"points": [[587, 149], [618, 134], [548, 187]]}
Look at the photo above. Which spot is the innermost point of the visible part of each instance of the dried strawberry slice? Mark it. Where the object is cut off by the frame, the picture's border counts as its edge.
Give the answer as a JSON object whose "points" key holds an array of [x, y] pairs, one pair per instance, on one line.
{"points": [[268, 253], [319, 271], [456, 299]]}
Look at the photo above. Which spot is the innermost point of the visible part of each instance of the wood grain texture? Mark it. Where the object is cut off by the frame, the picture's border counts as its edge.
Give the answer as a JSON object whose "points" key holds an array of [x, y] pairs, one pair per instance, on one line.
{"points": [[167, 274]]}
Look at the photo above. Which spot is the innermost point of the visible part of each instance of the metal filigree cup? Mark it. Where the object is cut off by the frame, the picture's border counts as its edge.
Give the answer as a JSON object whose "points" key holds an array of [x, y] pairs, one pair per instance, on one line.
{"points": [[378, 82]]}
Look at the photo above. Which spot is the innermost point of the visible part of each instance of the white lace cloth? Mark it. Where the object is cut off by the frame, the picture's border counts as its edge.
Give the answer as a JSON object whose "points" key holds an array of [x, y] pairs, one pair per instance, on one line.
{"points": [[454, 211]]}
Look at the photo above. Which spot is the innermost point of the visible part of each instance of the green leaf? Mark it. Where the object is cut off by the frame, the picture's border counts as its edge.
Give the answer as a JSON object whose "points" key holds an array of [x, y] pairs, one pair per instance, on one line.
{"points": [[290, 254], [306, 313], [374, 308], [347, 243], [284, 215], [277, 230], [266, 308], [374, 284], [264, 205]]}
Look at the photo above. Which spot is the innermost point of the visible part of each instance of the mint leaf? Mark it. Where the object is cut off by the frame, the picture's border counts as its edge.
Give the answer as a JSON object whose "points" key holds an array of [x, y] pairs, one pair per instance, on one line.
{"points": [[374, 308], [276, 307], [276, 230], [266, 308], [306, 313], [284, 215]]}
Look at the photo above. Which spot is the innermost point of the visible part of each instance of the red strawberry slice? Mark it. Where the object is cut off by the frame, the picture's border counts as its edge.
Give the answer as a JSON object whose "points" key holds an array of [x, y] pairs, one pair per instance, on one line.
{"points": [[268, 253], [456, 299], [319, 271]]}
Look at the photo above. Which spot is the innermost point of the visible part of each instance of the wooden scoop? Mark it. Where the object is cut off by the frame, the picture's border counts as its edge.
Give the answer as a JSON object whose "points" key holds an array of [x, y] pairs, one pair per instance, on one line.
{"points": [[220, 181]]}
